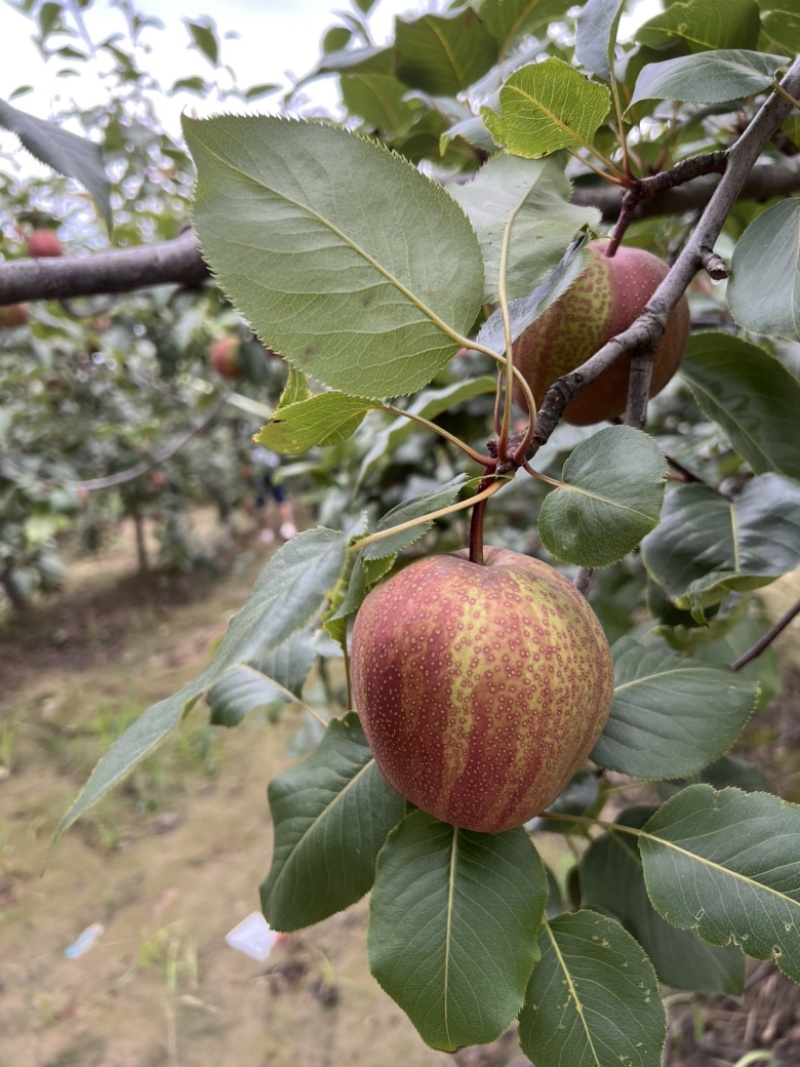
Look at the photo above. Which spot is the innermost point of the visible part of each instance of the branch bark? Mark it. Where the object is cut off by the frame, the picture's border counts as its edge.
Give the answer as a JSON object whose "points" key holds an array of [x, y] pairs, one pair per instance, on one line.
{"points": [[179, 262]]}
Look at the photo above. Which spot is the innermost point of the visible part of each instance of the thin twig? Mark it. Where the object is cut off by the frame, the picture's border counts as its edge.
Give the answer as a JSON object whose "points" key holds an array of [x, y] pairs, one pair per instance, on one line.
{"points": [[767, 639], [157, 458]]}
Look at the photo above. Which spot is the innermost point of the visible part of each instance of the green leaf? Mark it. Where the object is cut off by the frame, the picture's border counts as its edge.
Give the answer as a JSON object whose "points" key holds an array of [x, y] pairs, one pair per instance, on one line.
{"points": [[703, 24], [443, 54], [296, 388], [255, 92], [276, 675], [764, 287], [441, 497], [546, 106], [453, 922], [379, 100], [331, 816], [750, 395], [428, 404], [671, 716], [708, 77], [763, 670], [596, 36], [64, 152], [782, 25], [525, 203], [288, 593], [346, 259], [336, 38], [508, 20], [611, 497], [205, 40], [526, 309], [592, 975], [727, 865], [326, 419], [612, 881], [707, 546]]}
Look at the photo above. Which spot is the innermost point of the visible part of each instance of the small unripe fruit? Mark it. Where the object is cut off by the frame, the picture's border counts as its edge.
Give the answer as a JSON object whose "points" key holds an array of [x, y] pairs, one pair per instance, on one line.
{"points": [[604, 300], [13, 314], [158, 481], [224, 355], [44, 243], [481, 689]]}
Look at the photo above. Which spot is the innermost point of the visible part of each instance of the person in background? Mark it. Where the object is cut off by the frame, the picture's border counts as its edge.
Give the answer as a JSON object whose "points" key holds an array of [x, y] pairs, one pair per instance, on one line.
{"points": [[265, 465]]}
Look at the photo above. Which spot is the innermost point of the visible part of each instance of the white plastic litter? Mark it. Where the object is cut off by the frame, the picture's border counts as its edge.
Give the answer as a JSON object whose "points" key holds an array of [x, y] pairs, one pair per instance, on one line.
{"points": [[84, 941], [253, 936]]}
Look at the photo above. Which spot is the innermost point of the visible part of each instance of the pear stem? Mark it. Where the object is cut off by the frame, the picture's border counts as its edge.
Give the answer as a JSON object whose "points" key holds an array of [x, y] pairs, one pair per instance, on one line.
{"points": [[476, 524]]}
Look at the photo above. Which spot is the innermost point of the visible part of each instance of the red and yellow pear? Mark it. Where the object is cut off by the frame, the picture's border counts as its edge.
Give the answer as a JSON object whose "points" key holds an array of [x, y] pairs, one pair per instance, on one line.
{"points": [[14, 315], [224, 356], [43, 244], [481, 688], [603, 301]]}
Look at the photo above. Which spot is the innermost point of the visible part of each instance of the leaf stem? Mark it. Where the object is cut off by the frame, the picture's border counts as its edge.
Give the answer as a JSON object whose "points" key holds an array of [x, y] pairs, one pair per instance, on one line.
{"points": [[778, 88], [485, 461], [381, 535]]}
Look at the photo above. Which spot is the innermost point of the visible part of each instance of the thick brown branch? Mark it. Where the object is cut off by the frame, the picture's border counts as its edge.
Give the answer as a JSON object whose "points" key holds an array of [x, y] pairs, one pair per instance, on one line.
{"points": [[174, 263], [179, 262]]}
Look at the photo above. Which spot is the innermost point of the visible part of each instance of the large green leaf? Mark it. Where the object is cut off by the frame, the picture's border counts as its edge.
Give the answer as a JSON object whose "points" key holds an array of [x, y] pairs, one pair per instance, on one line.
{"points": [[613, 488], [593, 999], [277, 675], [443, 54], [65, 152], [288, 593], [331, 816], [703, 24], [427, 404], [708, 77], [727, 865], [547, 106], [326, 419], [707, 546], [764, 287], [508, 20], [345, 259], [612, 881], [453, 926], [751, 395], [671, 716], [596, 36], [521, 206]]}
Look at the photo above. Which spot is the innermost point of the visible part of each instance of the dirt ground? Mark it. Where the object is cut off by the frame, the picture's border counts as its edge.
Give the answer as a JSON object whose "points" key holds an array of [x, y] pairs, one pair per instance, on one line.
{"points": [[171, 861]]}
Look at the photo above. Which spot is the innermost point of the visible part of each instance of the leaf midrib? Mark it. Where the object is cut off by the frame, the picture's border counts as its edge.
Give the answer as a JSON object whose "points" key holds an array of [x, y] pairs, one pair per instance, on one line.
{"points": [[323, 814], [572, 990]]}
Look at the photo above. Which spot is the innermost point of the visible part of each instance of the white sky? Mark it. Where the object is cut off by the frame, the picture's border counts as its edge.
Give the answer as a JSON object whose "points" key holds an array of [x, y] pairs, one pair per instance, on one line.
{"points": [[276, 39]]}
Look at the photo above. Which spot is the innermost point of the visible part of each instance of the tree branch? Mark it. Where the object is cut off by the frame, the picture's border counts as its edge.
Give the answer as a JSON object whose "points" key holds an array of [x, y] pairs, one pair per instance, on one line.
{"points": [[767, 639], [179, 262], [174, 263], [643, 335], [157, 458]]}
